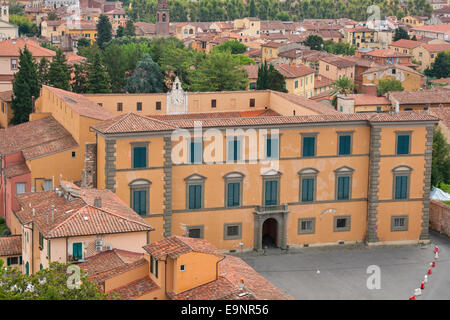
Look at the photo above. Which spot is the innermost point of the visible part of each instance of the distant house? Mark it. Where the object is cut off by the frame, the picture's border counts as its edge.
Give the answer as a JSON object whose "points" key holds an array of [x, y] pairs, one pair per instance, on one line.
{"points": [[335, 67], [6, 112], [299, 79], [11, 250], [409, 78]]}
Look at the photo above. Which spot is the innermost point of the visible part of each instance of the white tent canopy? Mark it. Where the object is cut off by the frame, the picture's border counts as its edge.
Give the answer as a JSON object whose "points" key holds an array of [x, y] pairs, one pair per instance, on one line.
{"points": [[438, 194]]}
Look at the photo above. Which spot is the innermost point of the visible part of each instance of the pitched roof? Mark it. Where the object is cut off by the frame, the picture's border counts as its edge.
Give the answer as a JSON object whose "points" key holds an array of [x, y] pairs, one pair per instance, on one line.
{"points": [[107, 260], [252, 71], [385, 53], [392, 66], [405, 43], [337, 61], [36, 138], [78, 217], [443, 81], [435, 95], [306, 103], [440, 28], [80, 104], [437, 47], [175, 246], [11, 245], [295, 71], [443, 113], [136, 288], [6, 95], [322, 81], [217, 115], [16, 170], [131, 122], [11, 48]]}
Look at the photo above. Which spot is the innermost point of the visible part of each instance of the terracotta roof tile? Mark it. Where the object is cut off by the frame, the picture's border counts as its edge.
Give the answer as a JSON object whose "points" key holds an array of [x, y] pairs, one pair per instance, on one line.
{"points": [[78, 217], [443, 113], [6, 95], [437, 47], [108, 260], [337, 61], [136, 288], [405, 43], [80, 104], [11, 245], [384, 53], [443, 81], [252, 71], [433, 96], [296, 71], [367, 99], [10, 48], [440, 28], [16, 170], [131, 122], [36, 138], [177, 245]]}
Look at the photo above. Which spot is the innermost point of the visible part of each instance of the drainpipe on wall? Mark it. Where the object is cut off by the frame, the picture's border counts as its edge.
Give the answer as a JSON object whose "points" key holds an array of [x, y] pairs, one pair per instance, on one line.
{"points": [[217, 267]]}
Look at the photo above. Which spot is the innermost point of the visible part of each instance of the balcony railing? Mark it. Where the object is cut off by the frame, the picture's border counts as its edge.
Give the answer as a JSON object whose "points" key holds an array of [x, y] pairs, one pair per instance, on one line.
{"points": [[271, 209]]}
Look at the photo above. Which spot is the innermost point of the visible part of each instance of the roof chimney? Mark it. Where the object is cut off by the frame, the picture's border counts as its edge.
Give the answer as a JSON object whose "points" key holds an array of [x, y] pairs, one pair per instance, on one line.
{"points": [[53, 213], [98, 202]]}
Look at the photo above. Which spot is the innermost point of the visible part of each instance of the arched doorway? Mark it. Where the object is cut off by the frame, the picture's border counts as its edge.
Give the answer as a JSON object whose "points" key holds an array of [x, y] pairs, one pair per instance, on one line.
{"points": [[269, 233]]}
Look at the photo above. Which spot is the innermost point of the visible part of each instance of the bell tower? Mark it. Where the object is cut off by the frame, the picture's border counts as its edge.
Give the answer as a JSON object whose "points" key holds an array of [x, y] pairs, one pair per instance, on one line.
{"points": [[162, 18], [5, 11]]}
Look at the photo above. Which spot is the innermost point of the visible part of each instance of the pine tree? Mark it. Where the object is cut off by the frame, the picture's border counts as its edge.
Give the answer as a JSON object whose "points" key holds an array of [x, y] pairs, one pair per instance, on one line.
{"points": [[440, 167], [43, 71], [104, 31], [59, 72], [401, 34], [98, 80], [25, 86], [129, 29], [147, 77], [80, 79], [270, 78]]}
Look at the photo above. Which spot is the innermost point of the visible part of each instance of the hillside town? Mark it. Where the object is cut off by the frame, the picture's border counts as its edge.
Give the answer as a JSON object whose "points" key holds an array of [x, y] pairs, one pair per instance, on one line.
{"points": [[187, 150]]}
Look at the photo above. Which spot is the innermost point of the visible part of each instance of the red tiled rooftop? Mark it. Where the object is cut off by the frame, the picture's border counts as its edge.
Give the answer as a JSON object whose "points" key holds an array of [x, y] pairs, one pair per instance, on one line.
{"points": [[78, 217], [107, 260], [16, 170], [437, 47], [384, 53], [435, 95], [176, 245], [405, 43], [6, 95], [10, 245], [295, 71], [252, 71], [440, 28], [36, 138], [367, 99], [135, 289], [11, 48]]}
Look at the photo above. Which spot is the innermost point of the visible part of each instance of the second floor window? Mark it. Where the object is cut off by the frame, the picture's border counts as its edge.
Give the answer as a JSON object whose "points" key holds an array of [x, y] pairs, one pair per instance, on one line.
{"points": [[195, 152], [309, 146], [233, 194], [234, 149], [14, 64], [272, 146], [271, 193], [401, 187], [139, 157], [345, 142], [403, 143], [307, 189], [343, 188]]}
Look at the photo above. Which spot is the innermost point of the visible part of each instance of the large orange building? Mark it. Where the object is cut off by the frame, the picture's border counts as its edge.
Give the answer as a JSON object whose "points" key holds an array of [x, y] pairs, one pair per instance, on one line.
{"points": [[332, 178]]}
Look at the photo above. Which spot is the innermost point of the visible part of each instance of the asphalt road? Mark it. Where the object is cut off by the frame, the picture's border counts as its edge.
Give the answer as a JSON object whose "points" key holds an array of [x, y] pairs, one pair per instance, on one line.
{"points": [[343, 271]]}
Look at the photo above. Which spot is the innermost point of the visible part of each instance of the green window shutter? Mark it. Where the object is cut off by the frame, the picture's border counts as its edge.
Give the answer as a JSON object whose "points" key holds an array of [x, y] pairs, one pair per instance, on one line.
{"points": [[343, 188], [140, 202], [307, 190], [401, 187], [20, 260], [233, 194], [308, 146], [230, 149], [191, 197], [8, 261], [195, 196], [268, 148], [140, 157], [403, 144], [344, 145], [196, 152], [271, 193], [77, 250]]}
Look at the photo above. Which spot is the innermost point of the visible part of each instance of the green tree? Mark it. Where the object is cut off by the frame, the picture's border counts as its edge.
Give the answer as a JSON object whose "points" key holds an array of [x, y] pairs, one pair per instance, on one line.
{"points": [[270, 78], [252, 9], [401, 33], [83, 42], [97, 79], [129, 29], [104, 31], [440, 165], [234, 46], [15, 7], [283, 16], [343, 48], [219, 72], [342, 86], [26, 27], [388, 85], [53, 283], [42, 71], [440, 68], [147, 78], [52, 16], [25, 86], [59, 72], [314, 42], [80, 78], [120, 32]]}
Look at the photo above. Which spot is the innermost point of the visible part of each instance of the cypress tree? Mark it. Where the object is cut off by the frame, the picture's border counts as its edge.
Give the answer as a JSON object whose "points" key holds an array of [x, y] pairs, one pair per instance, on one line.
{"points": [[104, 31], [129, 29], [43, 71], [98, 80], [120, 32], [252, 10], [59, 72], [25, 86], [79, 84]]}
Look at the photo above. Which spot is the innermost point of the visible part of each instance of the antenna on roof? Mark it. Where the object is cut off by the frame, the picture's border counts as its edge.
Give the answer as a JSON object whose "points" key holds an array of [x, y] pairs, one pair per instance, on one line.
{"points": [[33, 211], [53, 213]]}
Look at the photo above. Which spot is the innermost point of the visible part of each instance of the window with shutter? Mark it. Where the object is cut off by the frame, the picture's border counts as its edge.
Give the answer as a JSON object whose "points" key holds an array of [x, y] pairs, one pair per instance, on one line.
{"points": [[403, 143], [307, 189], [195, 152], [233, 194], [309, 146], [401, 187], [343, 188], [139, 157], [271, 193], [195, 196], [345, 144]]}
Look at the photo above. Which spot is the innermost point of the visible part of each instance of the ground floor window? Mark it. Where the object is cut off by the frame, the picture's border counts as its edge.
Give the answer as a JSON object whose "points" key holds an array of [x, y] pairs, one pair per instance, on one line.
{"points": [[399, 223], [341, 223], [194, 232], [306, 225]]}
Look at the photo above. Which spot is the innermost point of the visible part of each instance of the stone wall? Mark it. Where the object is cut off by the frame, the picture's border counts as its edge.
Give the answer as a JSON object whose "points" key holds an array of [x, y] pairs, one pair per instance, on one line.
{"points": [[89, 179], [440, 217]]}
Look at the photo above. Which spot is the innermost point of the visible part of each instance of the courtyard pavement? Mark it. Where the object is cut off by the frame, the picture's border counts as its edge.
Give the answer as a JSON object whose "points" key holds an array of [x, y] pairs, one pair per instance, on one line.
{"points": [[343, 271]]}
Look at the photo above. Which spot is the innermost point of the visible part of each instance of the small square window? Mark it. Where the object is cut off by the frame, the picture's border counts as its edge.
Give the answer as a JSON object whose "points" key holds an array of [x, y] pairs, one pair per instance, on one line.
{"points": [[194, 233], [232, 231], [341, 223], [306, 225], [158, 105], [182, 267], [399, 223]]}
